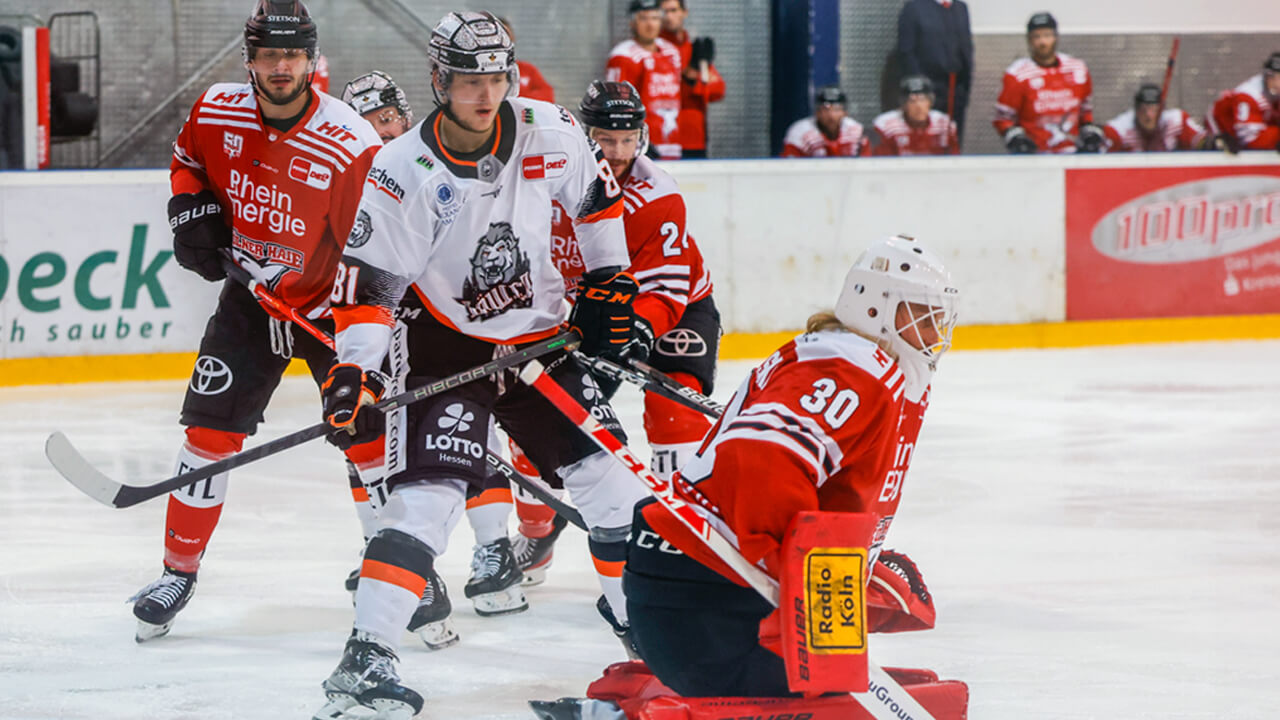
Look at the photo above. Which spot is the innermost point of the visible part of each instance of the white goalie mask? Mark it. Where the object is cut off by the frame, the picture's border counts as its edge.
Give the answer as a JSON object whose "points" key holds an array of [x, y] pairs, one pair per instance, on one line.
{"points": [[897, 276]]}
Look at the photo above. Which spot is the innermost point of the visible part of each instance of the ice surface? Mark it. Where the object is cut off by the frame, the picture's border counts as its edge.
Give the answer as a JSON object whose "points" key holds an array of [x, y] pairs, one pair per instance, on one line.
{"points": [[1100, 529]]}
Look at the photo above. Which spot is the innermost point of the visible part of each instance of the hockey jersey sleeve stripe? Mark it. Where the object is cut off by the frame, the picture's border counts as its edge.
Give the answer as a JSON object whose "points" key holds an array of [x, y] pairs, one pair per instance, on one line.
{"points": [[816, 453], [324, 142], [613, 211], [783, 440], [341, 166], [185, 159], [662, 270], [665, 287], [348, 315], [206, 110], [226, 123], [799, 423]]}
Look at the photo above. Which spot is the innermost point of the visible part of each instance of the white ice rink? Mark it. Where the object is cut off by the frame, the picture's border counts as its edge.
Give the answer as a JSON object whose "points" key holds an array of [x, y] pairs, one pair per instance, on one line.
{"points": [[1100, 529]]}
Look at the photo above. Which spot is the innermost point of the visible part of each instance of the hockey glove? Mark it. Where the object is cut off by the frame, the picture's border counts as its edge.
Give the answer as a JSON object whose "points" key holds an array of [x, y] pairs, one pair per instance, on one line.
{"points": [[346, 392], [641, 340], [199, 233], [1091, 139], [603, 315], [1017, 142], [702, 48], [1227, 144]]}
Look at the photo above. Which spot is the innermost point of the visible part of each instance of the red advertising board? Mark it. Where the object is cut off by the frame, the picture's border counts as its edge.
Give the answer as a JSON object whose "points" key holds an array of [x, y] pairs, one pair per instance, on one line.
{"points": [[1170, 242]]}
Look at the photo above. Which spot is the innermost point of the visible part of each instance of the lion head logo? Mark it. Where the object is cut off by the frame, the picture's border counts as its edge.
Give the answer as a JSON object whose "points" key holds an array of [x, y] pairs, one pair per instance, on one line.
{"points": [[497, 258]]}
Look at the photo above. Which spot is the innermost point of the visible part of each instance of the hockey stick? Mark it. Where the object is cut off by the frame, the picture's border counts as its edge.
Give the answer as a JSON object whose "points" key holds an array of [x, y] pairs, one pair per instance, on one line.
{"points": [[646, 377], [1164, 88], [885, 700], [236, 272], [72, 465]]}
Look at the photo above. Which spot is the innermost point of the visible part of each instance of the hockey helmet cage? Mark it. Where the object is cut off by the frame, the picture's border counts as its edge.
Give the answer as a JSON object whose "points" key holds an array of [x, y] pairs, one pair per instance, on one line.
{"points": [[1042, 20], [829, 95], [1148, 94], [642, 5], [893, 271], [471, 43], [374, 91], [1272, 64], [914, 85], [280, 24], [614, 105]]}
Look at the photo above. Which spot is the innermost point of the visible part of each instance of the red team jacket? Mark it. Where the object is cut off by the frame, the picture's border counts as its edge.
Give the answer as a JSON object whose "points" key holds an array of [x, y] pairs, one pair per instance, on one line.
{"points": [[694, 96], [657, 76], [291, 198], [1050, 103], [1175, 131], [804, 139], [533, 85], [1247, 114], [664, 257], [822, 424], [895, 137]]}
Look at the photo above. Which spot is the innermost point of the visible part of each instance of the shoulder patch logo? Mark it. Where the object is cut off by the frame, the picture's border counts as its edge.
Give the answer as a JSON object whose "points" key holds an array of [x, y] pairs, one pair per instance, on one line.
{"points": [[310, 173], [500, 278], [426, 162], [540, 167], [528, 116], [361, 230]]}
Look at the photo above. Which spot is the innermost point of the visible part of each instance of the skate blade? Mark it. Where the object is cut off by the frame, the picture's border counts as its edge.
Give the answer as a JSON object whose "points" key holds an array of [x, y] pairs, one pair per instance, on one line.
{"points": [[387, 709], [503, 602], [534, 576], [148, 631], [336, 708], [438, 635]]}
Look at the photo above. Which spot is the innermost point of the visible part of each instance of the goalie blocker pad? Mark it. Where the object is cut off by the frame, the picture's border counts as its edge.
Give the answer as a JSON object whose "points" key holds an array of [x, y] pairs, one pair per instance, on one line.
{"points": [[641, 696]]}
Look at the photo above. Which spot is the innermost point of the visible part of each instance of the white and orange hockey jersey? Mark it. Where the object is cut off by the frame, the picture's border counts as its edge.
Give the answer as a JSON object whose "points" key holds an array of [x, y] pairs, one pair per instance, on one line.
{"points": [[895, 136], [1247, 114], [1176, 130], [665, 259], [1050, 103], [290, 197], [470, 235], [827, 422], [656, 74], [804, 139]]}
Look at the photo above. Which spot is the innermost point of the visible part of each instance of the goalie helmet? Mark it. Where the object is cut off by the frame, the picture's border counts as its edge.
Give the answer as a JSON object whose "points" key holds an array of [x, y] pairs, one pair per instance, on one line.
{"points": [[374, 91], [470, 43], [894, 271]]}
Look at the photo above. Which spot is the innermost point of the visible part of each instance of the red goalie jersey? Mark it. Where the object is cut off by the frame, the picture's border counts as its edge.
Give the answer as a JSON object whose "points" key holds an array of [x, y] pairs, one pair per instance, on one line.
{"points": [[291, 197], [823, 424], [1050, 103], [664, 257]]}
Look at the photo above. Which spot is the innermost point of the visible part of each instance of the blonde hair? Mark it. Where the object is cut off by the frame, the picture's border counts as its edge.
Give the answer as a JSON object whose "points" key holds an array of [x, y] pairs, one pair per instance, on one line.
{"points": [[827, 320]]}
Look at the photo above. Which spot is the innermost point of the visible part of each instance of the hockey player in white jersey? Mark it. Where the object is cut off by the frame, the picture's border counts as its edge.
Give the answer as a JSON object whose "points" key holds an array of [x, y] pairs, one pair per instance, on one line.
{"points": [[453, 238]]}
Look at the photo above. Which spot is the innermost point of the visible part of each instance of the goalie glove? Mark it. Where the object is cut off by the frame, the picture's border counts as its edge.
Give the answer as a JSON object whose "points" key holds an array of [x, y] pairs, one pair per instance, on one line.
{"points": [[346, 392], [1017, 142], [897, 599]]}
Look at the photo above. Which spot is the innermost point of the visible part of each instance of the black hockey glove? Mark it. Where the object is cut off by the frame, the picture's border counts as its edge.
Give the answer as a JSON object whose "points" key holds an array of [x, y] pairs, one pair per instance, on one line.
{"points": [[1227, 144], [641, 341], [1017, 142], [603, 314], [702, 48], [1091, 139], [346, 392], [199, 233]]}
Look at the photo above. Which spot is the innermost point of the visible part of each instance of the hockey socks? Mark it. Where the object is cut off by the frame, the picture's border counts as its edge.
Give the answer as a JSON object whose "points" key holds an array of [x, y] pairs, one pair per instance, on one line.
{"points": [[674, 431], [393, 577], [194, 510], [487, 513]]}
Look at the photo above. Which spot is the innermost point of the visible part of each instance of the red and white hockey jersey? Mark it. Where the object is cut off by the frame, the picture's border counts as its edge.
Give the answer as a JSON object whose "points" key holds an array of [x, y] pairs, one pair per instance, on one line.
{"points": [[824, 423], [664, 257], [470, 234], [1050, 103], [895, 136], [1175, 131], [656, 75], [290, 197], [804, 139], [1247, 114]]}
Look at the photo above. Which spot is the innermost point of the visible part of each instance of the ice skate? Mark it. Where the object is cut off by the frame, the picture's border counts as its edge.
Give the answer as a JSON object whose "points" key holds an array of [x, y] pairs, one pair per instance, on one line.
{"points": [[366, 676], [533, 555], [622, 631], [567, 708], [157, 604], [431, 620], [352, 582], [494, 587]]}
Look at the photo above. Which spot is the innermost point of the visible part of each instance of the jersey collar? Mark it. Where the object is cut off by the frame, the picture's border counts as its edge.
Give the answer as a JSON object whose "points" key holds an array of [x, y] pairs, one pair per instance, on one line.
{"points": [[463, 165]]}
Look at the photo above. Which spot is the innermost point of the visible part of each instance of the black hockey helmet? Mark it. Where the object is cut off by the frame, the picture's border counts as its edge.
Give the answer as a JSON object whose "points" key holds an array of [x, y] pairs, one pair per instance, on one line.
{"points": [[374, 91], [1148, 94], [914, 85], [1272, 63], [1042, 20], [280, 24], [642, 5], [471, 43], [829, 95], [610, 105]]}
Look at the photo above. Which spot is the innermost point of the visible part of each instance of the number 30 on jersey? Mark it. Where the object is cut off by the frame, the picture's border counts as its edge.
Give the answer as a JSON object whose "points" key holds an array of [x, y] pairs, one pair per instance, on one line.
{"points": [[834, 406]]}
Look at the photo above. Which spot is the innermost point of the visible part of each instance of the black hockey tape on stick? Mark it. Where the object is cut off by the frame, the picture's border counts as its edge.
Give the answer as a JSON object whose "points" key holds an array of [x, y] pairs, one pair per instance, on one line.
{"points": [[645, 376], [886, 703], [72, 466]]}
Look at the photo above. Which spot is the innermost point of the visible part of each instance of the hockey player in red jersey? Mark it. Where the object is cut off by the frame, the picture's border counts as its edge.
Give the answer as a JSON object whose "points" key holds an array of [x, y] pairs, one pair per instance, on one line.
{"points": [[450, 268], [827, 423], [829, 132], [702, 83], [1046, 103], [915, 128], [1150, 127], [1248, 116], [653, 66], [273, 170], [677, 324]]}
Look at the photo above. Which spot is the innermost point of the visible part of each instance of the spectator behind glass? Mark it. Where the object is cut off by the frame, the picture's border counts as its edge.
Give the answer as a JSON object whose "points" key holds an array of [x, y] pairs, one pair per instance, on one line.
{"points": [[829, 132], [702, 83], [653, 66], [915, 128], [1151, 127], [1248, 116], [532, 84], [934, 40]]}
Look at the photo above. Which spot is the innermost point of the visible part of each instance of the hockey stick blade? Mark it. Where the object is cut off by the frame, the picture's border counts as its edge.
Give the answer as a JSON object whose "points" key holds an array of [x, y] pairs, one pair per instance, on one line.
{"points": [[77, 471]]}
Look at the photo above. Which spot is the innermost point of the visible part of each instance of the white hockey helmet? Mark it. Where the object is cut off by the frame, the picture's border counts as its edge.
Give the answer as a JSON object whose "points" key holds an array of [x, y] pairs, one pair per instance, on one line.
{"points": [[471, 42], [893, 272], [374, 91]]}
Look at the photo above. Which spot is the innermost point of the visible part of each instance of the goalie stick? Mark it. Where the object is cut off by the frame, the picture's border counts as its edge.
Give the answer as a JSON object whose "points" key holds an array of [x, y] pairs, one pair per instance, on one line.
{"points": [[648, 378], [886, 698], [79, 472]]}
